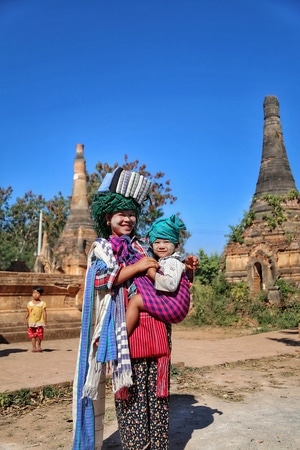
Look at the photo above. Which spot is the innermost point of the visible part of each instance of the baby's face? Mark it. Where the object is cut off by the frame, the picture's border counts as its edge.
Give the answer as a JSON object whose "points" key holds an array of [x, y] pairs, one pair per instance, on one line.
{"points": [[163, 248]]}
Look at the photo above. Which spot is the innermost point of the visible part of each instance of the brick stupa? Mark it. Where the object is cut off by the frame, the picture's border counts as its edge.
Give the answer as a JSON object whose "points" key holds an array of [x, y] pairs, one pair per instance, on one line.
{"points": [[269, 247], [79, 233]]}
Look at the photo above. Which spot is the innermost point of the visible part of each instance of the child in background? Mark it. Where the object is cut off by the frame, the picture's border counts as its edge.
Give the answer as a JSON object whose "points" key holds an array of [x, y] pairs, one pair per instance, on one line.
{"points": [[36, 319], [166, 305]]}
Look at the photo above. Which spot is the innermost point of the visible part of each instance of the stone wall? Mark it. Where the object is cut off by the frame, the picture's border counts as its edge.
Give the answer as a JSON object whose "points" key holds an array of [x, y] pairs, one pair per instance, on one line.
{"points": [[63, 295]]}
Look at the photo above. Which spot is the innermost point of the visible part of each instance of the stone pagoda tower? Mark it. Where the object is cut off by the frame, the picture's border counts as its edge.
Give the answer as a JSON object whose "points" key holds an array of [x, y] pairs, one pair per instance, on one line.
{"points": [[269, 246], [275, 176], [74, 243]]}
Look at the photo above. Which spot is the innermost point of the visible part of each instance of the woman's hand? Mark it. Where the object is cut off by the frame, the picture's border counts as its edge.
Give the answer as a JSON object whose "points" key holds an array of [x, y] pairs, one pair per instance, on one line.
{"points": [[135, 269], [146, 263]]}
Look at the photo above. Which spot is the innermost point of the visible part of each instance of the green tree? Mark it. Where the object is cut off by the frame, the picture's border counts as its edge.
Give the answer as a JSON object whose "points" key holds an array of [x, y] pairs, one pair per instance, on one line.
{"points": [[6, 252], [55, 217], [208, 268], [19, 226], [23, 226]]}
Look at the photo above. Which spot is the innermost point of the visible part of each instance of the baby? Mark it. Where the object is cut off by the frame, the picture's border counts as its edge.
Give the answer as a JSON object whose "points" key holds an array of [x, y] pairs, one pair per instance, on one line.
{"points": [[170, 298]]}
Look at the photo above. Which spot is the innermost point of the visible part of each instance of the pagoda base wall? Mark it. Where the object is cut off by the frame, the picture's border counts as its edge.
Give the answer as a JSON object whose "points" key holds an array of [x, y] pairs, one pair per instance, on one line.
{"points": [[284, 266], [63, 295]]}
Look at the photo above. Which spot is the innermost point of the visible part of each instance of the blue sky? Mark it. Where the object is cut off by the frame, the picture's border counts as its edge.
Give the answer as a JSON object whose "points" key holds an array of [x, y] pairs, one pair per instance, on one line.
{"points": [[178, 85]]}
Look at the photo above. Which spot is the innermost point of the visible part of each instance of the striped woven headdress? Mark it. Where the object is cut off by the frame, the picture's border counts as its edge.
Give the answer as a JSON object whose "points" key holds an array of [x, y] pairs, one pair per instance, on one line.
{"points": [[127, 183]]}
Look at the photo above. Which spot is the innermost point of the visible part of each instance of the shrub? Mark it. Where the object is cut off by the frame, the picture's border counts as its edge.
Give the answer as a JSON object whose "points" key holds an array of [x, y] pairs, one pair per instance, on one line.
{"points": [[210, 308], [224, 305], [5, 399], [22, 397], [286, 288], [239, 293]]}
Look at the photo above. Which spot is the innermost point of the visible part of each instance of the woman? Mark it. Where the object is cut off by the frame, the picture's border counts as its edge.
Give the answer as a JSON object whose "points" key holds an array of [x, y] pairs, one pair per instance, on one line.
{"points": [[141, 363]]}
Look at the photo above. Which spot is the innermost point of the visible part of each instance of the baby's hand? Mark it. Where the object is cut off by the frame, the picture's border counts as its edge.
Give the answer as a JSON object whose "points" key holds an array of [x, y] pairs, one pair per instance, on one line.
{"points": [[151, 272], [191, 262]]}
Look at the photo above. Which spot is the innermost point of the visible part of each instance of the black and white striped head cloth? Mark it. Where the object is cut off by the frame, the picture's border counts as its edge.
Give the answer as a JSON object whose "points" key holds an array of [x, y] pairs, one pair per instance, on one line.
{"points": [[127, 183]]}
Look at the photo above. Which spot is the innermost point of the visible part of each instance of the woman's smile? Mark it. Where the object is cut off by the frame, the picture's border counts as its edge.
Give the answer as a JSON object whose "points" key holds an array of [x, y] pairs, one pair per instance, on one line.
{"points": [[123, 222]]}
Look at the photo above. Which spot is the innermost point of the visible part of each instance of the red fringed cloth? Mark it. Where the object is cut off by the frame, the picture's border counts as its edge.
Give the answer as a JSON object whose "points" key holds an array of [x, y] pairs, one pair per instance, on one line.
{"points": [[150, 340]]}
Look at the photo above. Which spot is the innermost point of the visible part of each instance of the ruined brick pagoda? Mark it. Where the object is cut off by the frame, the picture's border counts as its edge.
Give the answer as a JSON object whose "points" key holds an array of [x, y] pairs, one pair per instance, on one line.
{"points": [[269, 246], [70, 254]]}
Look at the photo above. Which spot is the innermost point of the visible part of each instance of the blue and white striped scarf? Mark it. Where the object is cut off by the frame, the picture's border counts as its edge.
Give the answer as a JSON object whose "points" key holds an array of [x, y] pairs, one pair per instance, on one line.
{"points": [[84, 431]]}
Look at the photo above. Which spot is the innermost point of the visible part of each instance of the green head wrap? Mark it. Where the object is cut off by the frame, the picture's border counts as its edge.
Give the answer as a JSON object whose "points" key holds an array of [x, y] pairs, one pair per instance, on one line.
{"points": [[168, 229], [109, 203]]}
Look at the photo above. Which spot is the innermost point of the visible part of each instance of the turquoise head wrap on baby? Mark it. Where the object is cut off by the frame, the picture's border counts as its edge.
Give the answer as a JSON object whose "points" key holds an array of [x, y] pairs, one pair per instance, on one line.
{"points": [[168, 229]]}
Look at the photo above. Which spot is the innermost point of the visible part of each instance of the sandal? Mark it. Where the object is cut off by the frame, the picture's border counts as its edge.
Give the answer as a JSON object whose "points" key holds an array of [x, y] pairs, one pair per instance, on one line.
{"points": [[34, 350], [39, 350]]}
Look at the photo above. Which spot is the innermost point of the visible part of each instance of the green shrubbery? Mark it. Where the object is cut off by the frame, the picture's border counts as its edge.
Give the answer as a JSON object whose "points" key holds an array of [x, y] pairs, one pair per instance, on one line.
{"points": [[219, 303], [228, 305]]}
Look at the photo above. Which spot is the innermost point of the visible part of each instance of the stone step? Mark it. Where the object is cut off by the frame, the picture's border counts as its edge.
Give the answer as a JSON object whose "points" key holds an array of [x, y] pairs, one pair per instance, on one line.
{"points": [[52, 332], [4, 327]]}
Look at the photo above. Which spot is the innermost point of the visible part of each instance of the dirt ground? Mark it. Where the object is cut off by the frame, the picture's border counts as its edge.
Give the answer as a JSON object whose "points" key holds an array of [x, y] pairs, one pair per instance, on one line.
{"points": [[251, 404]]}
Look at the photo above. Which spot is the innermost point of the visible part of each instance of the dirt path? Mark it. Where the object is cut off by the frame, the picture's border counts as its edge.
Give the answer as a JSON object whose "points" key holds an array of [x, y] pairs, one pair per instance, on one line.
{"points": [[250, 404]]}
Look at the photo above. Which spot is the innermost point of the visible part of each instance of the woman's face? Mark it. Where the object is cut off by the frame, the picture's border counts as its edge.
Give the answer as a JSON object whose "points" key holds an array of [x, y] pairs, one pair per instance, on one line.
{"points": [[122, 222]]}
